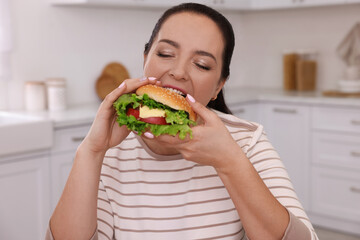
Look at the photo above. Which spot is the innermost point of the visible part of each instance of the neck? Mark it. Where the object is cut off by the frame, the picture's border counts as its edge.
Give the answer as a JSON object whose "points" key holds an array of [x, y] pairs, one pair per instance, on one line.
{"points": [[158, 147]]}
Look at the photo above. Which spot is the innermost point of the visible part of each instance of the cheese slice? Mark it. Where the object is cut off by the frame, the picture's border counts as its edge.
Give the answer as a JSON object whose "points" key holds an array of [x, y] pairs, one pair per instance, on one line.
{"points": [[146, 112]]}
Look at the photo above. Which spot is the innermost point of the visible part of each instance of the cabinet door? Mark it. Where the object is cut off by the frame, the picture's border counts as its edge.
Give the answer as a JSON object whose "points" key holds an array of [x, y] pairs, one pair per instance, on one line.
{"points": [[246, 111], [25, 199], [287, 127], [60, 168], [336, 193]]}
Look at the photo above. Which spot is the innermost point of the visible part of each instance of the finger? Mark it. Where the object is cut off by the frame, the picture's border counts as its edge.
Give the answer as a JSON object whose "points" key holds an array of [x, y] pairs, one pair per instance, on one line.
{"points": [[204, 113], [127, 86]]}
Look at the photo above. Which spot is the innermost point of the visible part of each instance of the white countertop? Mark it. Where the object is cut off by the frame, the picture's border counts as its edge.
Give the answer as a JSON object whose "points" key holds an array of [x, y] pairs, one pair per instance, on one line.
{"points": [[243, 95]]}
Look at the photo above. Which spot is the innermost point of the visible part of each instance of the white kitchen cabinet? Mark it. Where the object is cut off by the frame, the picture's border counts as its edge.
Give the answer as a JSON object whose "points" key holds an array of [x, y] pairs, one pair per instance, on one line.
{"points": [[66, 142], [287, 127], [25, 197], [336, 193], [247, 111]]}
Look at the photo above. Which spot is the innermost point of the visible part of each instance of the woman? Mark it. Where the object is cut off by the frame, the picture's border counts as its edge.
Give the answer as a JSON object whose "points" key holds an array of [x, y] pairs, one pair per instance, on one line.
{"points": [[226, 182]]}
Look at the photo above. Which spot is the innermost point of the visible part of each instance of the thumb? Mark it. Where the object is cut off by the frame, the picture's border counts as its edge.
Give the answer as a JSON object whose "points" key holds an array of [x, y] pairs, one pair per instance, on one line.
{"points": [[200, 109]]}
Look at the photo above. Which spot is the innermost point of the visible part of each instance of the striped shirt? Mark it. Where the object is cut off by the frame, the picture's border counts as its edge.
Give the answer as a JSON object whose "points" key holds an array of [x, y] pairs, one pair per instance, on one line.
{"points": [[143, 195]]}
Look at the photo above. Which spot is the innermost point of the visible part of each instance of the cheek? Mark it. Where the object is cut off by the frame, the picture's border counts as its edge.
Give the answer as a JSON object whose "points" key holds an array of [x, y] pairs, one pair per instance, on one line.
{"points": [[204, 90], [152, 68]]}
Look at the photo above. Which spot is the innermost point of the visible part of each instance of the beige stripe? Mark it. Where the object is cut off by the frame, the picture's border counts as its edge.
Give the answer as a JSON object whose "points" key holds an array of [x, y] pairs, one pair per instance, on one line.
{"points": [[270, 178], [289, 188], [178, 229], [103, 233], [241, 131], [164, 194], [105, 200], [129, 138], [129, 149], [287, 197], [165, 206], [291, 206], [166, 182], [240, 139], [261, 151], [175, 218], [106, 223], [222, 236], [152, 170], [137, 158], [249, 126], [260, 141], [265, 159], [266, 169], [104, 210]]}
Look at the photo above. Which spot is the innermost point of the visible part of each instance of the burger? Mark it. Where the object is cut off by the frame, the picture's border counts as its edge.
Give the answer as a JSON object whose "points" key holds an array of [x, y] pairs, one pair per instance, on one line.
{"points": [[156, 109]]}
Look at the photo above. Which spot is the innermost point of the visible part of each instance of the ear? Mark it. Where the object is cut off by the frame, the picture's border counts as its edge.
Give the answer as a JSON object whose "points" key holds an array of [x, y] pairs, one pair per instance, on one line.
{"points": [[145, 57], [219, 87]]}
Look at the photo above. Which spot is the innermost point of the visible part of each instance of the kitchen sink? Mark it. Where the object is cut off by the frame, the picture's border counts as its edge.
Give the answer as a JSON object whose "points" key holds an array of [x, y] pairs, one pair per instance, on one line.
{"points": [[21, 133]]}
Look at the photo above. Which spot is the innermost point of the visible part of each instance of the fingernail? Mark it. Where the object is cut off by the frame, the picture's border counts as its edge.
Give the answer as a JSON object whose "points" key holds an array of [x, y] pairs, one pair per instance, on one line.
{"points": [[135, 132], [151, 78], [122, 85], [148, 135], [190, 98], [143, 79]]}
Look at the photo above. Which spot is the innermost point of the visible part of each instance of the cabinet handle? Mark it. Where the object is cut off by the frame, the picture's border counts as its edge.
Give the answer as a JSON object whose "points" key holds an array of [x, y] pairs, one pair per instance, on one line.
{"points": [[355, 154], [355, 122], [355, 189], [77, 139], [283, 110]]}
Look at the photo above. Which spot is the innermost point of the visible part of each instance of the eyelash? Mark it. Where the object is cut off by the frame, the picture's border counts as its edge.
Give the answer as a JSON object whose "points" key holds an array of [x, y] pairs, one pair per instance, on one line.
{"points": [[198, 65], [202, 67], [163, 55]]}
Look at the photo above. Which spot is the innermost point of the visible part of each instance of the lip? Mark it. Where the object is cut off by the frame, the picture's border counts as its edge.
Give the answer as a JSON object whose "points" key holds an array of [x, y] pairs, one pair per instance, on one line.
{"points": [[177, 88]]}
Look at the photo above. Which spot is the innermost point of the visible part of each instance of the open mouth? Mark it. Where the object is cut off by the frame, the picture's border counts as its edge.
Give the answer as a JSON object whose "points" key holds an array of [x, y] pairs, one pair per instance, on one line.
{"points": [[176, 91]]}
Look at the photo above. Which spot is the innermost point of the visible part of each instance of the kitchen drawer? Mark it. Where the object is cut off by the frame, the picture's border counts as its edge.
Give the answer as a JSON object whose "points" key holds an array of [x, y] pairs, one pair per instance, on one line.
{"points": [[336, 193], [340, 150], [69, 138], [337, 119]]}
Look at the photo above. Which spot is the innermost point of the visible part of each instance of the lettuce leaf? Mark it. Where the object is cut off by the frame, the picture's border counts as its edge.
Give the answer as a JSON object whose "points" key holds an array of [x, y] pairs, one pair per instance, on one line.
{"points": [[180, 123]]}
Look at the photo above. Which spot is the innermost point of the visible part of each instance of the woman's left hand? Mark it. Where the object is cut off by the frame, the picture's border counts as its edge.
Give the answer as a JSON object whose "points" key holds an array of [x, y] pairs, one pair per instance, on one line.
{"points": [[211, 144]]}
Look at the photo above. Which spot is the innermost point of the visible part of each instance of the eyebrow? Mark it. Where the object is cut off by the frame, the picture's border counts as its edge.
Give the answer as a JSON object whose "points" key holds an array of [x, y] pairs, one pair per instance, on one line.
{"points": [[198, 52]]}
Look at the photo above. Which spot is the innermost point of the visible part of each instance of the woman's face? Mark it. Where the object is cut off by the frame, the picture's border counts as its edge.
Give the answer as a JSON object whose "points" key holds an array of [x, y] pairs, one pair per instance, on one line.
{"points": [[187, 55]]}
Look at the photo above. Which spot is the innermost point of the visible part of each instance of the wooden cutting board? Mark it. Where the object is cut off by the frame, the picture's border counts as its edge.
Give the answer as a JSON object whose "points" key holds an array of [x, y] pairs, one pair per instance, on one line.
{"points": [[111, 77], [335, 93]]}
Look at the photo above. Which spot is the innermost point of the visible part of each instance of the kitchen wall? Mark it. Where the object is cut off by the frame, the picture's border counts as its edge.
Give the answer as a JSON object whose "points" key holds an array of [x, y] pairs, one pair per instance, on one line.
{"points": [[77, 42]]}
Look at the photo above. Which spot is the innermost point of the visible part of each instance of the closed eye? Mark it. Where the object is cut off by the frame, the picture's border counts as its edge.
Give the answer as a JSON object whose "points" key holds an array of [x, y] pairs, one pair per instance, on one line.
{"points": [[202, 67], [162, 55]]}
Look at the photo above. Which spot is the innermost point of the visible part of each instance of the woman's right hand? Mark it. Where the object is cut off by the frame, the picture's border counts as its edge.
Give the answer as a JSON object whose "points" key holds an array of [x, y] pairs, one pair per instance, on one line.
{"points": [[105, 132]]}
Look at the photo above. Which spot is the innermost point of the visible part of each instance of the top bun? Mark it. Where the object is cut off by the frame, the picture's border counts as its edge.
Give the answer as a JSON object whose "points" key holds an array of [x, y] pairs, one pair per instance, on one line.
{"points": [[167, 97]]}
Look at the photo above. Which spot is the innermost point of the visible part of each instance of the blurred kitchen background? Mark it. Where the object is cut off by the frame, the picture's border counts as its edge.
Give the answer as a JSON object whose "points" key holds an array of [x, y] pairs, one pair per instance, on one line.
{"points": [[67, 45]]}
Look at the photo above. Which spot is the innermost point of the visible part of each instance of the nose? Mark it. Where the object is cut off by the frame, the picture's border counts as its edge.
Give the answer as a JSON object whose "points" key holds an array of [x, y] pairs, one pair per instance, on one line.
{"points": [[179, 70]]}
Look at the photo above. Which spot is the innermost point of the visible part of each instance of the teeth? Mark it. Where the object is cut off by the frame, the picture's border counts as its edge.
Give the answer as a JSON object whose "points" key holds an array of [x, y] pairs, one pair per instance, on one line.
{"points": [[177, 91]]}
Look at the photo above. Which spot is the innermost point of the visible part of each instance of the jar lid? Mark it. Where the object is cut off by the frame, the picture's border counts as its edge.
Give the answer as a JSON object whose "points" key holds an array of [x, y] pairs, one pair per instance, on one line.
{"points": [[34, 83], [55, 82]]}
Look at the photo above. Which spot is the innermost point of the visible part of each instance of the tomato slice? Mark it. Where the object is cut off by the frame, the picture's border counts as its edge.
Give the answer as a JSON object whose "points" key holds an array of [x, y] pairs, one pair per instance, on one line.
{"points": [[155, 120], [134, 112]]}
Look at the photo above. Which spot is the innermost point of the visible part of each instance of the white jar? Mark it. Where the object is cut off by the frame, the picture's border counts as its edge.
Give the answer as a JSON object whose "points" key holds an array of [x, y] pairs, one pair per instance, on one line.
{"points": [[56, 93], [35, 96]]}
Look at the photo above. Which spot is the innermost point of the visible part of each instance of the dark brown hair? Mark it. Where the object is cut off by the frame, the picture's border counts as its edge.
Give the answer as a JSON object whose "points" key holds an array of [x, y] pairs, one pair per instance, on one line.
{"points": [[226, 30]]}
